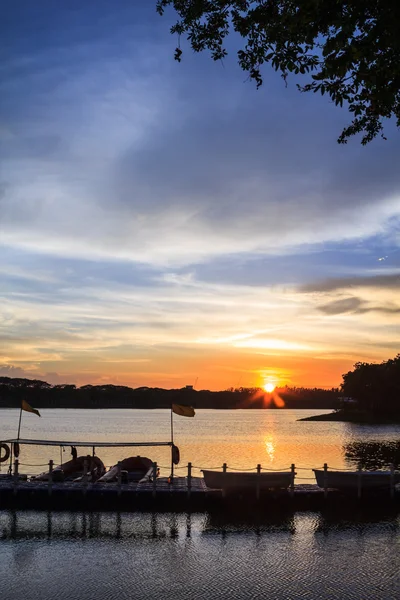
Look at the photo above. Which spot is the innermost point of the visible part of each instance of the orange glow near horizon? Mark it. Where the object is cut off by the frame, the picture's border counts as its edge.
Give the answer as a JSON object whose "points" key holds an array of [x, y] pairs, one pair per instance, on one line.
{"points": [[214, 369]]}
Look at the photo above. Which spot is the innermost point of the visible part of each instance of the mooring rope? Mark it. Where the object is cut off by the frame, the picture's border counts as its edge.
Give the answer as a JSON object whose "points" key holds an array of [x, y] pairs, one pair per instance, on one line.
{"points": [[34, 465]]}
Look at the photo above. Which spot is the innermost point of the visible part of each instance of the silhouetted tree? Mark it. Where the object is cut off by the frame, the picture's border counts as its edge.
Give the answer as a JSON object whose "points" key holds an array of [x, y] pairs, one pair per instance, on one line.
{"points": [[351, 48], [375, 386]]}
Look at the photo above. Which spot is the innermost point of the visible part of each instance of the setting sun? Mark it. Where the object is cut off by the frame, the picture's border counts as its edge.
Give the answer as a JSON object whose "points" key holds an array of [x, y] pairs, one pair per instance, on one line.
{"points": [[269, 387]]}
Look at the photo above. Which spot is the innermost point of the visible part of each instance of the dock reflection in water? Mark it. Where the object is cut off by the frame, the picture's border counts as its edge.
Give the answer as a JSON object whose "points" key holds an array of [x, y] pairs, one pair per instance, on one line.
{"points": [[372, 455], [127, 555]]}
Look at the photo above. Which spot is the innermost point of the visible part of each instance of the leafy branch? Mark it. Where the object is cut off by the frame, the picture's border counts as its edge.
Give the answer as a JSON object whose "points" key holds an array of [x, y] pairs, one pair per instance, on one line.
{"points": [[349, 49]]}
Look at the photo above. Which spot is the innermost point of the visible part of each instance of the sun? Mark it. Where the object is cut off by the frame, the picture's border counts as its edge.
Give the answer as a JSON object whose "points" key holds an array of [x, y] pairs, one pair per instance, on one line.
{"points": [[269, 387]]}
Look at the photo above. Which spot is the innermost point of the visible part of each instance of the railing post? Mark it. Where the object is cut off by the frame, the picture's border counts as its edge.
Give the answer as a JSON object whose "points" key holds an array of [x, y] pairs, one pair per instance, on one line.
{"points": [[85, 476], [359, 483], [189, 480], [392, 481], [325, 480], [224, 467], [292, 476], [258, 482], [50, 477], [119, 477], [154, 479], [16, 476]]}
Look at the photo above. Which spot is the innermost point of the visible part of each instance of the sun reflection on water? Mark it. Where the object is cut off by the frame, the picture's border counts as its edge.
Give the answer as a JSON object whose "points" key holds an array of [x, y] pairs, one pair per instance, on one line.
{"points": [[270, 447]]}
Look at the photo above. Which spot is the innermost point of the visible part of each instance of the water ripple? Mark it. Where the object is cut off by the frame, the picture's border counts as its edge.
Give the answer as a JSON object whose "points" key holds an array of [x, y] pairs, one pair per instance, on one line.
{"points": [[112, 556]]}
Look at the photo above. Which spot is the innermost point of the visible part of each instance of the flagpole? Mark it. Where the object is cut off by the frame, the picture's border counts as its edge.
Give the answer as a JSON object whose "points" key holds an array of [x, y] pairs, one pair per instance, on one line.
{"points": [[19, 424], [172, 447]]}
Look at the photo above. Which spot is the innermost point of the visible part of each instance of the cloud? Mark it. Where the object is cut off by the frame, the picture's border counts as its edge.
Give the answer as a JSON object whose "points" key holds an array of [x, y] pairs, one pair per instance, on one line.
{"points": [[8, 370], [135, 158], [356, 305], [12, 371], [344, 305], [391, 282]]}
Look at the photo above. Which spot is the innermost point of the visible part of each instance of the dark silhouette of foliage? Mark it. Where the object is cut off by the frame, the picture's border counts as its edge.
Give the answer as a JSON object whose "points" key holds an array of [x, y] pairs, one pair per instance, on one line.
{"points": [[44, 395], [350, 49], [375, 386]]}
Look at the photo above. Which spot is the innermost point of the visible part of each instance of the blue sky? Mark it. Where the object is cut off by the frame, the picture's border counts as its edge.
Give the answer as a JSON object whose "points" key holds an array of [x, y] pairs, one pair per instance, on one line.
{"points": [[161, 222]]}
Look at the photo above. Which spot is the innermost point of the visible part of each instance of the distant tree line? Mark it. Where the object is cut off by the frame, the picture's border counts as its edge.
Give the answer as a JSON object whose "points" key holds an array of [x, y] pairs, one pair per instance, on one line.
{"points": [[44, 395], [375, 387]]}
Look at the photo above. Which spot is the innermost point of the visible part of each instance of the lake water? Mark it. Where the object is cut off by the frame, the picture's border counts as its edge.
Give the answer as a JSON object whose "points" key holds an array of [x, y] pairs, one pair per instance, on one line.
{"points": [[107, 556]]}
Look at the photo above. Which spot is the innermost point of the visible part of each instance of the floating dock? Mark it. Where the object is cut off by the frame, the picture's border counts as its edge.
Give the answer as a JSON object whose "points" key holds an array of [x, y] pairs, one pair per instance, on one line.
{"points": [[174, 493], [162, 495]]}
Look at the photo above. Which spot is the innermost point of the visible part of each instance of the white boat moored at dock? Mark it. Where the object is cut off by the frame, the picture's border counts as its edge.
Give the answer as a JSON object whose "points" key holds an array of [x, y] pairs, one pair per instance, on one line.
{"points": [[242, 480], [353, 480]]}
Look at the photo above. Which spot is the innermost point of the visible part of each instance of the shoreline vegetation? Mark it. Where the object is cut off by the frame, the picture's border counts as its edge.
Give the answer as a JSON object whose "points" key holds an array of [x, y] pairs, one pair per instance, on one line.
{"points": [[355, 416], [44, 395]]}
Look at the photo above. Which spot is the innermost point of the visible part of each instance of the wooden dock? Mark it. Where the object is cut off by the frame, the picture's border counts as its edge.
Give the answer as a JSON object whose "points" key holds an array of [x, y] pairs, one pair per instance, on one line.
{"points": [[175, 493], [161, 495]]}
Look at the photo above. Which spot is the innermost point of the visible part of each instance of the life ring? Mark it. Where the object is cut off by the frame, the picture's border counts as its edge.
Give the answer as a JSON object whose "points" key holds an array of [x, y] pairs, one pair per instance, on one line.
{"points": [[16, 449], [175, 455], [6, 452]]}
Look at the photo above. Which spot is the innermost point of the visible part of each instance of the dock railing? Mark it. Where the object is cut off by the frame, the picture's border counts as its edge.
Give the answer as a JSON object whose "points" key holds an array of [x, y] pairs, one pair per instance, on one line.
{"points": [[360, 487]]}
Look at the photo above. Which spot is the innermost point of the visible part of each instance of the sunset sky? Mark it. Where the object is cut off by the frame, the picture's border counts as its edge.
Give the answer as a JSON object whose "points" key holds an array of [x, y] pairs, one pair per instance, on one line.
{"points": [[166, 224]]}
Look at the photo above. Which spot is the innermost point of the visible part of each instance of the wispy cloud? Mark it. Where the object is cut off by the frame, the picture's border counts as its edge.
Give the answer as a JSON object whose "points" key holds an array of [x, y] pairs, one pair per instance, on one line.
{"points": [[391, 282], [356, 305]]}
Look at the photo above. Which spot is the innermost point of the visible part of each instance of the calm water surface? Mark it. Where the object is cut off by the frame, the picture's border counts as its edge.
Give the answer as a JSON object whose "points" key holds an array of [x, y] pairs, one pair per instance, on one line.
{"points": [[116, 556], [44, 556]]}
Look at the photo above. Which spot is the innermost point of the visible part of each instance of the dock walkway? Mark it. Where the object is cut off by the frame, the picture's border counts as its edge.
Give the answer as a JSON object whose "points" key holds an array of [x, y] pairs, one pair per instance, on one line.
{"points": [[175, 496]]}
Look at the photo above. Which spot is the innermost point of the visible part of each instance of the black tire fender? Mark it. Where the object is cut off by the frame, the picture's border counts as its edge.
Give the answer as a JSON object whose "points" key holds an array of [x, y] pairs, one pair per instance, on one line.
{"points": [[6, 455], [175, 455]]}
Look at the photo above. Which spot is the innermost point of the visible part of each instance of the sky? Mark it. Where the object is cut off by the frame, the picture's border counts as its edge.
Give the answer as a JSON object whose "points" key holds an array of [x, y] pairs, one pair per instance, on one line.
{"points": [[167, 224]]}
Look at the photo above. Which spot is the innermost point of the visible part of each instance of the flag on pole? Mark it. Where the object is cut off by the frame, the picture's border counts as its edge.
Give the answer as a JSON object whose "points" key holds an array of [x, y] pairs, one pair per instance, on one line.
{"points": [[183, 411], [28, 408]]}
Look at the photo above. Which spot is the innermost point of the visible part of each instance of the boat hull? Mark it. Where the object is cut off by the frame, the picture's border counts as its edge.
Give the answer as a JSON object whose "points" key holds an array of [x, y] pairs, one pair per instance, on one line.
{"points": [[350, 480], [73, 469], [134, 468], [243, 481]]}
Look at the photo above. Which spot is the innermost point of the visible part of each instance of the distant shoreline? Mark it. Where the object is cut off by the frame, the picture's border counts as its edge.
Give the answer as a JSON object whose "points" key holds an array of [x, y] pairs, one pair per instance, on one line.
{"points": [[284, 408], [354, 417], [41, 394]]}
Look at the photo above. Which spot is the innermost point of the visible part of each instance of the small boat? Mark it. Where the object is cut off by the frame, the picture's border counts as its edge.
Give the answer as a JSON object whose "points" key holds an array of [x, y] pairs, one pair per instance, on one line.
{"points": [[242, 481], [73, 470], [351, 480], [134, 468]]}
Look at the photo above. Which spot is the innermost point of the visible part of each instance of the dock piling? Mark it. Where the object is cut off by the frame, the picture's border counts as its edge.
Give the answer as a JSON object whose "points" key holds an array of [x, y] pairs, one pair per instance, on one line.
{"points": [[325, 480], [258, 482], [16, 476], [154, 480], [189, 480], [119, 478], [85, 476], [293, 474], [50, 482], [224, 468]]}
